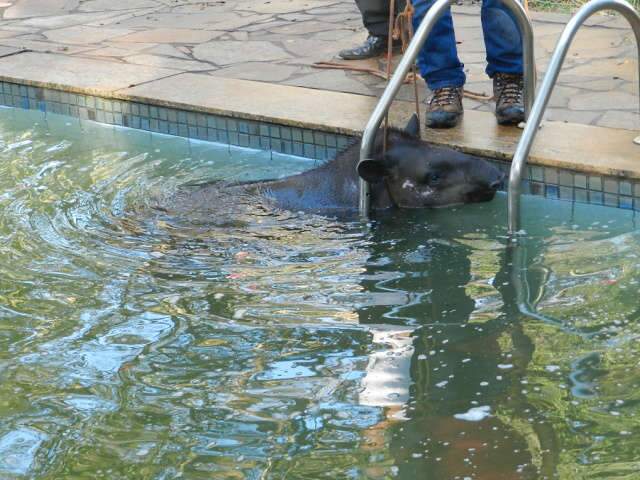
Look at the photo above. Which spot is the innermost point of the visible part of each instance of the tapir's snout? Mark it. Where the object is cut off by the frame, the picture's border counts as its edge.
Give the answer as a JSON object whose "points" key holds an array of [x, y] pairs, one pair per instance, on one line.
{"points": [[488, 180]]}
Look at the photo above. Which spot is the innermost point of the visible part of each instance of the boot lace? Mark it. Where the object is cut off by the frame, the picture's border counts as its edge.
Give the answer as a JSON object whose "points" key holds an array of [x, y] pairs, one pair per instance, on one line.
{"points": [[444, 96], [510, 88]]}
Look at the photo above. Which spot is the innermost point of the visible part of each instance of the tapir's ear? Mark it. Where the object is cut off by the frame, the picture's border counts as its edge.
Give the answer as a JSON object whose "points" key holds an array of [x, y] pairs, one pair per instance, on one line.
{"points": [[372, 171], [413, 126]]}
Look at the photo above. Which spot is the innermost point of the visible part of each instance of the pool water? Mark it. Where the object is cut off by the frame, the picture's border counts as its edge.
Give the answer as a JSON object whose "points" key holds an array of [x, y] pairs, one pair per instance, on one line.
{"points": [[424, 344]]}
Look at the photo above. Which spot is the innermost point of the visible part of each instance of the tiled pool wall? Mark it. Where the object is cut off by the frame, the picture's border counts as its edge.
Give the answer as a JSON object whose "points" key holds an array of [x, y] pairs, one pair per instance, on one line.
{"points": [[200, 126], [549, 182]]}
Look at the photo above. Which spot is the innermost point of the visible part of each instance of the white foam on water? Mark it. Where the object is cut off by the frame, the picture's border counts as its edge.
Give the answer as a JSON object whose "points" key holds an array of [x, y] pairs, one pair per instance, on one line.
{"points": [[388, 379], [474, 414]]}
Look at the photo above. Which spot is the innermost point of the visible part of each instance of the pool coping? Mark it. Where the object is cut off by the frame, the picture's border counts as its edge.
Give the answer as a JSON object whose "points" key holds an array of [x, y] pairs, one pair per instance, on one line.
{"points": [[315, 123], [602, 150], [347, 113]]}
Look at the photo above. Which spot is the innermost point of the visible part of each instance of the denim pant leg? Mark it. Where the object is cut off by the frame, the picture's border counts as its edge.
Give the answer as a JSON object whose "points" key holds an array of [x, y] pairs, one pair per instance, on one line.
{"points": [[438, 60], [502, 39]]}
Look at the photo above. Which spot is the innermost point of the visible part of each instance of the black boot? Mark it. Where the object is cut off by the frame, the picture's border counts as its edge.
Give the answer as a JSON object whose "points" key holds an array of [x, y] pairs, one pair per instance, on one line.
{"points": [[373, 46]]}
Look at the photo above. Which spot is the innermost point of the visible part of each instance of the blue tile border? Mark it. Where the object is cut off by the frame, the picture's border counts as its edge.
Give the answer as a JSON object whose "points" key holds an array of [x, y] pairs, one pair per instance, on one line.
{"points": [[171, 121], [549, 182]]}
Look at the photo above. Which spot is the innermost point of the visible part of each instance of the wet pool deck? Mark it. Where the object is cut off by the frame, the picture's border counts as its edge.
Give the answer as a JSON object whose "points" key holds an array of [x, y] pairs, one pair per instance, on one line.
{"points": [[192, 54]]}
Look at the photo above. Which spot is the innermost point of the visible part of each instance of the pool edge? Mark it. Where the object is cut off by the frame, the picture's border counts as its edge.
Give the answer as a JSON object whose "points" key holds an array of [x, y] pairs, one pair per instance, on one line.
{"points": [[316, 123]]}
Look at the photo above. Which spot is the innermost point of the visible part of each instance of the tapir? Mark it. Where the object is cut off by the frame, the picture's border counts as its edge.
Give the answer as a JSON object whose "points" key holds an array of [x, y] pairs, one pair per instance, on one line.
{"points": [[409, 174]]}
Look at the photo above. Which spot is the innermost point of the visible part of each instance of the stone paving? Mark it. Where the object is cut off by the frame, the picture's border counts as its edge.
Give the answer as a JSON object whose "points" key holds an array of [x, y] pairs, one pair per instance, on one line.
{"points": [[277, 41]]}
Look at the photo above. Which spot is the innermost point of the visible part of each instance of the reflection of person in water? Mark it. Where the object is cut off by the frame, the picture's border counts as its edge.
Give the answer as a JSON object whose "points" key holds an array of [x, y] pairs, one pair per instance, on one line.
{"points": [[452, 415]]}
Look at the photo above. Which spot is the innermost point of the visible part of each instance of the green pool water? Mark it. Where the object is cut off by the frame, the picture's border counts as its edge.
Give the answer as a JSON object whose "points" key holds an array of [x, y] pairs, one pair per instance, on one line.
{"points": [[425, 344]]}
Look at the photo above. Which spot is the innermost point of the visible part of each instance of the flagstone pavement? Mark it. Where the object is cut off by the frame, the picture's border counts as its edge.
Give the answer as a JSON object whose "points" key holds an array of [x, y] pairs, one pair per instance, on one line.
{"points": [[277, 41]]}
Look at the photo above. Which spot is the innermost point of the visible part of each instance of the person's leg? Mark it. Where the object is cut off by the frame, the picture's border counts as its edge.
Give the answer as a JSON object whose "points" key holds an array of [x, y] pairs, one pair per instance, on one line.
{"points": [[438, 60], [375, 17], [503, 42], [440, 67], [502, 39]]}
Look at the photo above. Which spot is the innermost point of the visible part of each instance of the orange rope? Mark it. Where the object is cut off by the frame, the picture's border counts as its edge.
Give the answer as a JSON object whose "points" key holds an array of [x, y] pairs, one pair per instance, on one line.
{"points": [[354, 68], [404, 29], [400, 28]]}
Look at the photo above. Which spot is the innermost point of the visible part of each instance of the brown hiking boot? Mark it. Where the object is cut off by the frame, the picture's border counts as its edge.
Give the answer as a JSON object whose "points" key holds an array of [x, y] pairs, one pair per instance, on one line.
{"points": [[508, 91], [445, 107]]}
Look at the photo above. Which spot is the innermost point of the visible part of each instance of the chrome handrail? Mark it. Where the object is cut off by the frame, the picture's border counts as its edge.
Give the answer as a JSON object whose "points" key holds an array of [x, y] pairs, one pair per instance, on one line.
{"points": [[546, 87], [396, 81]]}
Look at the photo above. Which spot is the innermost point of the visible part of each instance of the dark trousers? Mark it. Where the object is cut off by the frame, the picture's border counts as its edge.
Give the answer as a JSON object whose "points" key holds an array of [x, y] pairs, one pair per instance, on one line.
{"points": [[375, 15]]}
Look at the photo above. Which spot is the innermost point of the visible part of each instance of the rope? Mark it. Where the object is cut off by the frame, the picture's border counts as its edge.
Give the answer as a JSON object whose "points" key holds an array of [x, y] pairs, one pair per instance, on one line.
{"points": [[403, 28], [400, 28], [392, 12], [354, 68], [381, 74]]}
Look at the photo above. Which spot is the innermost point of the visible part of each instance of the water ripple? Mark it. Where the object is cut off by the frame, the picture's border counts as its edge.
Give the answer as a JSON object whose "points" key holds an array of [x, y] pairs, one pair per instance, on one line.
{"points": [[247, 342]]}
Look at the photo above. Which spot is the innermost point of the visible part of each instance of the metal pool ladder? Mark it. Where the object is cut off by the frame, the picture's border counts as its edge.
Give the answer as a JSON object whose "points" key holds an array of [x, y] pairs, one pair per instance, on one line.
{"points": [[546, 87], [433, 15]]}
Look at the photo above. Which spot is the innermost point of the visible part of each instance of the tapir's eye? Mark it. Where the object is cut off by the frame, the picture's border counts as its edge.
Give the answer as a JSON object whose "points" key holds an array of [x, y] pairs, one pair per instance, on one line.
{"points": [[433, 178]]}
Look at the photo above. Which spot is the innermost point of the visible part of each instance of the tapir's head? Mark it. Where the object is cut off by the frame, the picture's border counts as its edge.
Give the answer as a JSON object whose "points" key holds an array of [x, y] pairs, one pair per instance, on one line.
{"points": [[418, 175]]}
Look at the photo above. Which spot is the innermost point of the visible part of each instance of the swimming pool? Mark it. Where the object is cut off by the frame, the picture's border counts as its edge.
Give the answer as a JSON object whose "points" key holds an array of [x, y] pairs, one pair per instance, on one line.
{"points": [[286, 345]]}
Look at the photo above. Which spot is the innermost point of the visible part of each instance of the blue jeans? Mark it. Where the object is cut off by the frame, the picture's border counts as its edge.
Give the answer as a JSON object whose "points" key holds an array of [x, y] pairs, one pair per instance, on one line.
{"points": [[438, 60]]}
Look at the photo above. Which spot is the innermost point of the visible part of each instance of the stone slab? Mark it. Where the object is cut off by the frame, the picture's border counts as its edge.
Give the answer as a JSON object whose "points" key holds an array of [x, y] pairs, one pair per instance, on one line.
{"points": [[63, 21], [129, 46], [6, 51], [257, 100], [9, 34], [37, 46], [83, 34], [39, 8], [168, 35], [583, 116], [603, 101], [74, 73], [282, 6], [626, 120], [585, 148], [110, 52], [116, 18], [168, 62], [102, 5], [228, 52], [263, 72], [164, 19], [303, 28], [232, 25], [335, 80], [566, 145], [170, 51]]}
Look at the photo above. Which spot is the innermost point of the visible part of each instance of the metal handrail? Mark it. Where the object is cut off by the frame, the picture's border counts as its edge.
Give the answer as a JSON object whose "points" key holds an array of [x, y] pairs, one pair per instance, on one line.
{"points": [[546, 87], [396, 81]]}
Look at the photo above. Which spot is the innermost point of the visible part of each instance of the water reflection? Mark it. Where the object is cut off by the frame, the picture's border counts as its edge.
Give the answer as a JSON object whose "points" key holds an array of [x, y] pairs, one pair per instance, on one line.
{"points": [[463, 358], [273, 344], [466, 409]]}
